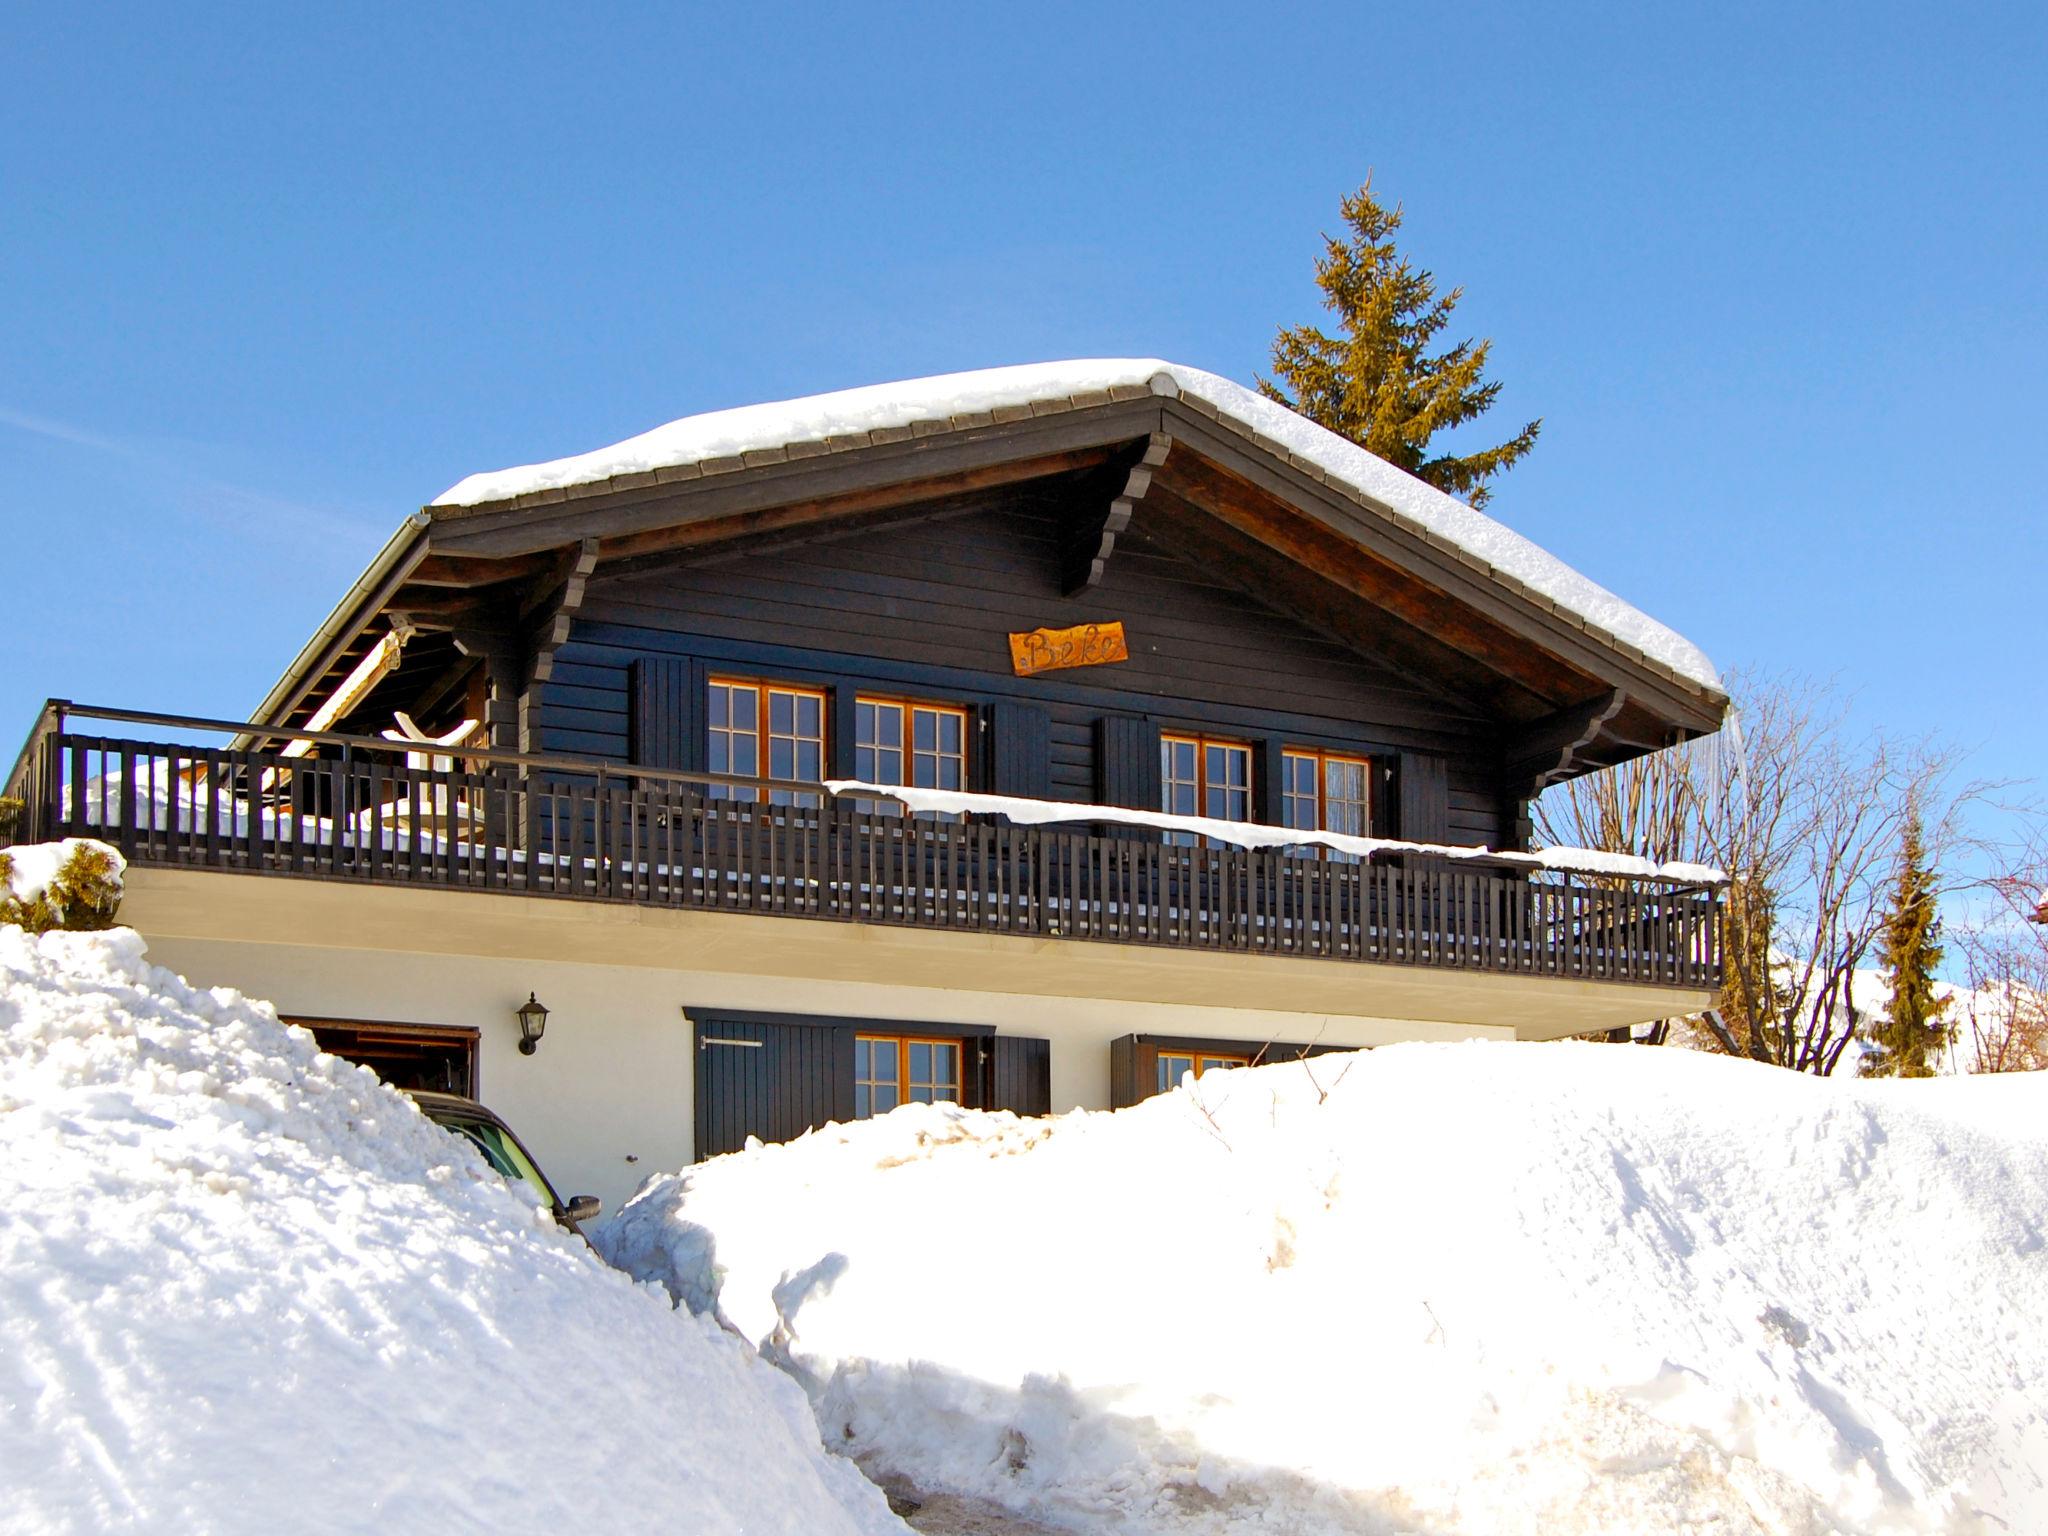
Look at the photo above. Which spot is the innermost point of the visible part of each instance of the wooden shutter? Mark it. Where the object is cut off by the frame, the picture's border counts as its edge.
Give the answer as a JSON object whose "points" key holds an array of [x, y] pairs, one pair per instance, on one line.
{"points": [[1127, 762], [1131, 1071], [1020, 1077], [841, 733], [1425, 798], [768, 1077], [1269, 776], [1019, 750], [667, 700]]}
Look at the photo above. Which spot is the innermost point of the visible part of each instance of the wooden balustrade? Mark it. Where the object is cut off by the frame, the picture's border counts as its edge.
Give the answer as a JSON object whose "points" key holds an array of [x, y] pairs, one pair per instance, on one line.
{"points": [[603, 832]]}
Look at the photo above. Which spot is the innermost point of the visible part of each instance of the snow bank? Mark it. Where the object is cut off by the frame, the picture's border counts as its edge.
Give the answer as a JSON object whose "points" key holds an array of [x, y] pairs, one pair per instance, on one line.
{"points": [[1252, 834], [851, 413], [246, 1287], [1478, 1288]]}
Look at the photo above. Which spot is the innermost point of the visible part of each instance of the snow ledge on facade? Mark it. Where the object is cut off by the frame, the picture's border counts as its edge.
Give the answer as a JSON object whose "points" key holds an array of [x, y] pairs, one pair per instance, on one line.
{"points": [[1251, 834], [857, 418]]}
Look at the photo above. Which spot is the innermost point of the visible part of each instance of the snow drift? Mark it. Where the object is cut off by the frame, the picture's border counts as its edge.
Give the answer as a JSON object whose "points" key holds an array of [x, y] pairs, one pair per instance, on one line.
{"points": [[1479, 1288], [246, 1287]]}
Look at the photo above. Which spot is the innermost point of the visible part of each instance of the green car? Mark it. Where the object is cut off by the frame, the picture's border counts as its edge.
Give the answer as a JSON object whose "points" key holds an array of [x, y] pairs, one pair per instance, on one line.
{"points": [[503, 1151]]}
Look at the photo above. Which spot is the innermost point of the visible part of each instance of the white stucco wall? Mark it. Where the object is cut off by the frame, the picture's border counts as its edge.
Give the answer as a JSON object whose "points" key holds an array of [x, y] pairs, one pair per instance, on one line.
{"points": [[608, 1098]]}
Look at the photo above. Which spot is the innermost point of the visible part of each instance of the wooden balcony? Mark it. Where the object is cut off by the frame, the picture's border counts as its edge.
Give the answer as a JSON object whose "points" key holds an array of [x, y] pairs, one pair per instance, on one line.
{"points": [[587, 830]]}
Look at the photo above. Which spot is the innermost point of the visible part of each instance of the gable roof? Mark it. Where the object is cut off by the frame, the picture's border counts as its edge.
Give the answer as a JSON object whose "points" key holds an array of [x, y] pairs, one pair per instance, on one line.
{"points": [[739, 438], [1267, 501]]}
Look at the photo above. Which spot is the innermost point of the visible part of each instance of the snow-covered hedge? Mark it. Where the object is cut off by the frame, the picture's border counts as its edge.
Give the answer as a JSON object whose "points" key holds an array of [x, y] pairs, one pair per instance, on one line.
{"points": [[246, 1287], [1484, 1288]]}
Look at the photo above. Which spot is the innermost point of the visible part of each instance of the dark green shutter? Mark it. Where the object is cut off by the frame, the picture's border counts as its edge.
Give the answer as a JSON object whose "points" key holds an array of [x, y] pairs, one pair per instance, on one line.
{"points": [[840, 733], [667, 694], [1127, 762], [1269, 777], [1425, 798], [1019, 750]]}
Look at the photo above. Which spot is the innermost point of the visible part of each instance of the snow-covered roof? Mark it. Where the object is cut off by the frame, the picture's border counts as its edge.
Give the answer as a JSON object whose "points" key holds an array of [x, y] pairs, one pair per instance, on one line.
{"points": [[847, 418]]}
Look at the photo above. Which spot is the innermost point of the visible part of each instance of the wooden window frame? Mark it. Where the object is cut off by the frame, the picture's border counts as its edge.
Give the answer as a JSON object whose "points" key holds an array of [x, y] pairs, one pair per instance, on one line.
{"points": [[909, 706], [1199, 1061], [1202, 743], [1322, 757], [762, 687], [903, 1043]]}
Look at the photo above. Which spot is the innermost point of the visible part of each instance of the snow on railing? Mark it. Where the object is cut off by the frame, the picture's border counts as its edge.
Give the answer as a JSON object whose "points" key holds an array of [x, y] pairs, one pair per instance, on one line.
{"points": [[1251, 834]]}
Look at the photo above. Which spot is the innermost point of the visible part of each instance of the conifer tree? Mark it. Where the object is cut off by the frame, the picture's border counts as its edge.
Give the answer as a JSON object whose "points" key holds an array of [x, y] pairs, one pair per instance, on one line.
{"points": [[1375, 381], [1909, 950]]}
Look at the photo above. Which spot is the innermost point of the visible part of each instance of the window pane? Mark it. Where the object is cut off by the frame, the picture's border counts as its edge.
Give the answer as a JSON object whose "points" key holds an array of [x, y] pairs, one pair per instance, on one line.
{"points": [[889, 725], [885, 1059], [1172, 1069], [721, 704], [746, 714], [809, 715], [920, 1062], [1219, 1063], [781, 713], [863, 1102], [885, 1098], [926, 728], [863, 1057]]}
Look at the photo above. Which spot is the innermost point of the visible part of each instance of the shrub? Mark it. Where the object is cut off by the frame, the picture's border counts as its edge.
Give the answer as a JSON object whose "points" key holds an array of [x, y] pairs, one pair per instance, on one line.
{"points": [[82, 893]]}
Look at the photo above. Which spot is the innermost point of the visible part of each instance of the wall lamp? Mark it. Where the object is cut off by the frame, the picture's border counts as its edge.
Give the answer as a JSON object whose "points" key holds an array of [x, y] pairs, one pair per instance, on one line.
{"points": [[533, 1023]]}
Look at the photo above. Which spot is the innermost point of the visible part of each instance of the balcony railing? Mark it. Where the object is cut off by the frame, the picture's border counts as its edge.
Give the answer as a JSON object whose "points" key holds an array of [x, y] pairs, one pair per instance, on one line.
{"points": [[596, 831]]}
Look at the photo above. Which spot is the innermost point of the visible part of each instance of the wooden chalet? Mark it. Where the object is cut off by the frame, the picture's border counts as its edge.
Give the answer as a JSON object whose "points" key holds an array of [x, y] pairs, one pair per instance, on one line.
{"points": [[1108, 585]]}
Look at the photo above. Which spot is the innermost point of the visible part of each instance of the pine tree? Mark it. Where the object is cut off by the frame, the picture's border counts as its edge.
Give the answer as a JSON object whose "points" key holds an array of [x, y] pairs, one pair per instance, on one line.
{"points": [[1913, 1028], [1375, 382]]}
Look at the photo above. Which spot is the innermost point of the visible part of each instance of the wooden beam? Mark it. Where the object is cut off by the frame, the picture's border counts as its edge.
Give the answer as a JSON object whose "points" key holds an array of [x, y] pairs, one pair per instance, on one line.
{"points": [[1089, 548], [687, 530], [443, 610], [652, 502], [1545, 751], [445, 570], [551, 630], [1587, 655], [1309, 596], [1426, 609]]}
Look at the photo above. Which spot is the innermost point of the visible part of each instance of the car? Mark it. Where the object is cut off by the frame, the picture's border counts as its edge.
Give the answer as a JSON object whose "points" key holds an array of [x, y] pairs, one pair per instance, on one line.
{"points": [[504, 1151]]}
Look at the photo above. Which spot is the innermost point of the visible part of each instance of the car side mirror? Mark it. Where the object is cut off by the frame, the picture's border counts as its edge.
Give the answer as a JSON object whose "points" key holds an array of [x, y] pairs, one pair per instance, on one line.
{"points": [[582, 1208]]}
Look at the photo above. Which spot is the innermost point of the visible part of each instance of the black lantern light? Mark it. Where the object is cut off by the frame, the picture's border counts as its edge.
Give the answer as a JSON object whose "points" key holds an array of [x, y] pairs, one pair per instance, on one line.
{"points": [[533, 1023]]}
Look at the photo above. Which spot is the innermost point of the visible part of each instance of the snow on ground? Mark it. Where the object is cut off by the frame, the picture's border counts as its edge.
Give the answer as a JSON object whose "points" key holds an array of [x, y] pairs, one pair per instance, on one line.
{"points": [[246, 1287], [848, 415], [1484, 1288]]}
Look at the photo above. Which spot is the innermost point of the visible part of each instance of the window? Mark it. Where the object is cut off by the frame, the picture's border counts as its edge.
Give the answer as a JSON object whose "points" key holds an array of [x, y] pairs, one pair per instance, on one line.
{"points": [[1173, 1066], [766, 731], [1326, 792], [922, 745], [894, 1069], [1201, 777]]}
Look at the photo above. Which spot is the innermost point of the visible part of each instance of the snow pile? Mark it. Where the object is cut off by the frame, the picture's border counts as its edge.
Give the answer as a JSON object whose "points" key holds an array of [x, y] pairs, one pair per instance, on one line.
{"points": [[1483, 1288], [852, 413], [1252, 834], [246, 1287]]}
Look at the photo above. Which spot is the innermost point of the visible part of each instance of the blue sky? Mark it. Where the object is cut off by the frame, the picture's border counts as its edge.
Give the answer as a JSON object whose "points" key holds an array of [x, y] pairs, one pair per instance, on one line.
{"points": [[1773, 277]]}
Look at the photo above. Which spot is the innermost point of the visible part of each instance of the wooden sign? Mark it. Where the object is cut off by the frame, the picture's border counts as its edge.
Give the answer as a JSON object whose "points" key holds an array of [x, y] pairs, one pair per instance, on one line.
{"points": [[1085, 645]]}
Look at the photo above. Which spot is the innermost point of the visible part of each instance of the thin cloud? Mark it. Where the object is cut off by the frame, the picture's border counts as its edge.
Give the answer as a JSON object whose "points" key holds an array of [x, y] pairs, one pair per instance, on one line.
{"points": [[220, 500]]}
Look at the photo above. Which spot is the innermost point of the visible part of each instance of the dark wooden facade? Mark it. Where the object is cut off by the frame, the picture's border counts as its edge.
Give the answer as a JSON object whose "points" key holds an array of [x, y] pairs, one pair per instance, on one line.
{"points": [[924, 609]]}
